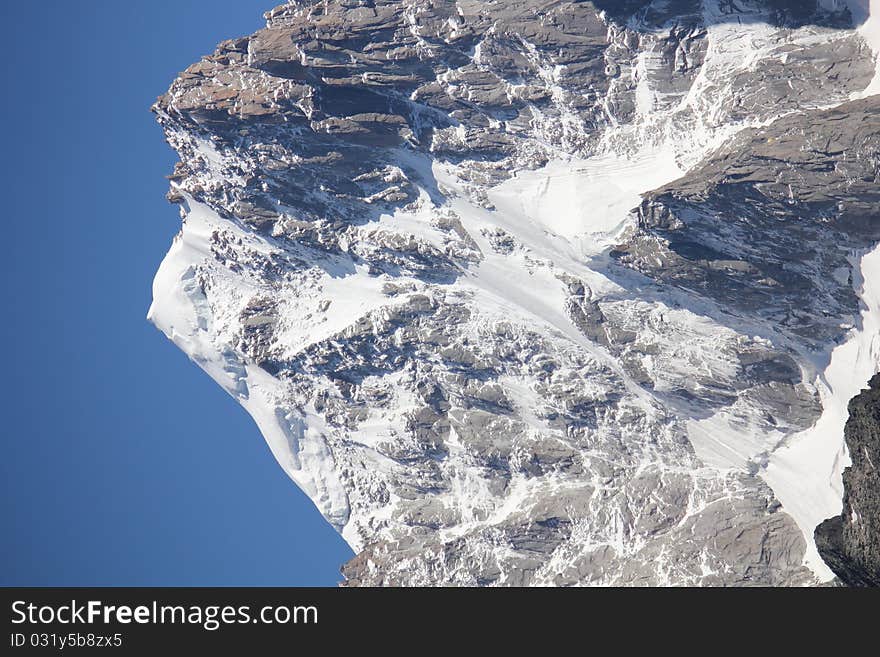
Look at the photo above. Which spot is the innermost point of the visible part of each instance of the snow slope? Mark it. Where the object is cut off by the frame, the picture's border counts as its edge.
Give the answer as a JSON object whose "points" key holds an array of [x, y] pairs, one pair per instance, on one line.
{"points": [[181, 310], [586, 201]]}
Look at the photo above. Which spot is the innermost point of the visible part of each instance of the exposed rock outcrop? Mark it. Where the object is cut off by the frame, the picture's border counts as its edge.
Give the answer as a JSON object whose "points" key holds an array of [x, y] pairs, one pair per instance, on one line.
{"points": [[850, 542]]}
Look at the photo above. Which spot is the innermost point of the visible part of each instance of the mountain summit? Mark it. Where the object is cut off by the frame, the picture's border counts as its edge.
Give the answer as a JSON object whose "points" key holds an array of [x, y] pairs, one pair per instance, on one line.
{"points": [[540, 292]]}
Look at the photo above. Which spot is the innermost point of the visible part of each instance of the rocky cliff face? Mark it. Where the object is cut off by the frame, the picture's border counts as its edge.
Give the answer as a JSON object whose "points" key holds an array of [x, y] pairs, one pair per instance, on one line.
{"points": [[536, 292], [850, 542]]}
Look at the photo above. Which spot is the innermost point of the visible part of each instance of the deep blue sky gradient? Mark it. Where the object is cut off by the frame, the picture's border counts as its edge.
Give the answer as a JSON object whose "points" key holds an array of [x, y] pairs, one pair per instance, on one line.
{"points": [[122, 464]]}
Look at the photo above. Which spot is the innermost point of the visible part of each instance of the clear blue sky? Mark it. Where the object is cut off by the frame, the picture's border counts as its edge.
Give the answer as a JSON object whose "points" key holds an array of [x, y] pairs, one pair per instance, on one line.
{"points": [[122, 463]]}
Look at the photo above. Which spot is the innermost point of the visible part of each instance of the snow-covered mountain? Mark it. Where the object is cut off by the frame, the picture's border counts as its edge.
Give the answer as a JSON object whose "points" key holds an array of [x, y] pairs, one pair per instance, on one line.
{"points": [[540, 292]]}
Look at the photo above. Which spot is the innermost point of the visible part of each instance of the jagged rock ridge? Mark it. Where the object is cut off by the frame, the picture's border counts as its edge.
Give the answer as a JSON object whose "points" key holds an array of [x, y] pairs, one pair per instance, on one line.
{"points": [[850, 542], [530, 293]]}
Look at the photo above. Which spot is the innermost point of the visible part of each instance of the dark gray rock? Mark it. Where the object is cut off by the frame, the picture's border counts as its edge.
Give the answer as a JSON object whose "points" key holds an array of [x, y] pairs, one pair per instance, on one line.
{"points": [[755, 226], [850, 543]]}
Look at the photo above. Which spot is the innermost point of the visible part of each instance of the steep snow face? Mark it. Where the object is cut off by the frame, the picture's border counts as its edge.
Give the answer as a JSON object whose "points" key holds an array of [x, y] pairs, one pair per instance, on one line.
{"points": [[477, 280], [181, 310], [585, 201]]}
